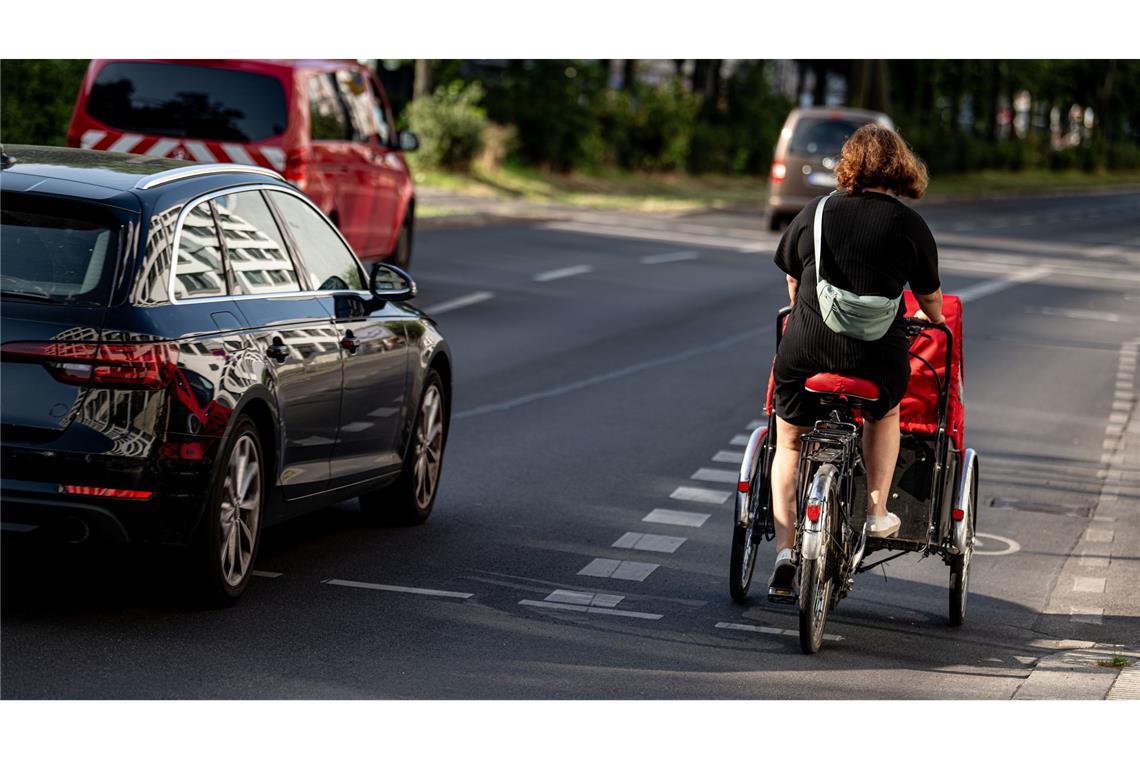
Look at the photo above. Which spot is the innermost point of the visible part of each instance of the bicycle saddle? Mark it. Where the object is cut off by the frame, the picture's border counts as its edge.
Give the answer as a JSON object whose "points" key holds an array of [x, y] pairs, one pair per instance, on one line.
{"points": [[843, 385]]}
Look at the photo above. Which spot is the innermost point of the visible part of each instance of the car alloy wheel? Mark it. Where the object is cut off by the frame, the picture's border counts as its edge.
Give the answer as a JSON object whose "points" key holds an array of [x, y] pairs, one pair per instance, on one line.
{"points": [[429, 447], [240, 511]]}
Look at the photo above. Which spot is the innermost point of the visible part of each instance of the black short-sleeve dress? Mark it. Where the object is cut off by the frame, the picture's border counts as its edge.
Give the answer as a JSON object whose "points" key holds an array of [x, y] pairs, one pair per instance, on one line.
{"points": [[873, 244]]}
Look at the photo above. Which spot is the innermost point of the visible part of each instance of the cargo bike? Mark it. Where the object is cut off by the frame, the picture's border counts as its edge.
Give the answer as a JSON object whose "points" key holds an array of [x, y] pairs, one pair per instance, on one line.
{"points": [[934, 490]]}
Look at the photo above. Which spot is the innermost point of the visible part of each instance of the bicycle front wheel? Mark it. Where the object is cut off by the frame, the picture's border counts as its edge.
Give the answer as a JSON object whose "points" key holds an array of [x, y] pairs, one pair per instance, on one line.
{"points": [[816, 573]]}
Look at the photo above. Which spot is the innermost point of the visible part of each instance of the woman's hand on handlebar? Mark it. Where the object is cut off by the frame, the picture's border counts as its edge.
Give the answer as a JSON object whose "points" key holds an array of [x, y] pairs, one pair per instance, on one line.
{"points": [[920, 314]]}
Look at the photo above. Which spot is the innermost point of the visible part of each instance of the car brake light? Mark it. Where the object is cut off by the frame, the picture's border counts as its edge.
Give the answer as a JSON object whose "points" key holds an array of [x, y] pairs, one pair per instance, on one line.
{"points": [[779, 171], [296, 169], [813, 512], [147, 366], [111, 493]]}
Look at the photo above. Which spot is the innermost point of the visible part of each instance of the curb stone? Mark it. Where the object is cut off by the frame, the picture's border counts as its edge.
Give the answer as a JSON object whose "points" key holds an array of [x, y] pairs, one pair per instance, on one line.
{"points": [[1075, 674]]}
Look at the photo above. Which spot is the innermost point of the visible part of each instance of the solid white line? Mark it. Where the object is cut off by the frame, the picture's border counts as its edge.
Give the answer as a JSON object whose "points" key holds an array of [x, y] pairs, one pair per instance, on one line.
{"points": [[398, 589], [716, 476], [700, 495], [558, 274], [592, 610], [458, 303], [773, 631], [669, 258], [990, 287], [674, 517], [266, 574], [664, 236]]}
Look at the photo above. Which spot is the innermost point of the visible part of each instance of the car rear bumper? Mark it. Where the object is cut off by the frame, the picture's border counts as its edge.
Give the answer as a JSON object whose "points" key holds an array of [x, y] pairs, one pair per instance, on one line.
{"points": [[39, 510]]}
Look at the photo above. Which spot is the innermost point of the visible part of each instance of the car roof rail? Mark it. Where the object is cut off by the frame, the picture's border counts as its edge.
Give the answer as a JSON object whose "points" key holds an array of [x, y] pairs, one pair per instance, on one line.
{"points": [[186, 172]]}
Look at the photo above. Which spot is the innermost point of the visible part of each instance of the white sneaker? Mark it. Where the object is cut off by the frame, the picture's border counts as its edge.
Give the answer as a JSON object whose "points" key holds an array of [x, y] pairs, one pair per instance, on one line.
{"points": [[883, 527]]}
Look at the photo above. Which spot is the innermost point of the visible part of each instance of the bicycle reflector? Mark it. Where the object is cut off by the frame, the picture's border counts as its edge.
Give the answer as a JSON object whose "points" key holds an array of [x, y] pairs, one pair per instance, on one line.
{"points": [[813, 512], [958, 515]]}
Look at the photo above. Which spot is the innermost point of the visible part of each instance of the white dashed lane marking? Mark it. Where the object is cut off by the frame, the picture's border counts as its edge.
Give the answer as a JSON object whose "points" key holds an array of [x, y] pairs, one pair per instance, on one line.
{"points": [[648, 542], [728, 457], [771, 631], [591, 610], [618, 569], [673, 517], [715, 476], [398, 589], [1089, 615], [558, 274], [1099, 536], [740, 440], [458, 303], [700, 495], [584, 598], [668, 258]]}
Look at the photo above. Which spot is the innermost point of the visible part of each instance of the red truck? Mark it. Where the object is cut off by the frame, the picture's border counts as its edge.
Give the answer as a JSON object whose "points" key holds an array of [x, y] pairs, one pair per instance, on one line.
{"points": [[325, 125]]}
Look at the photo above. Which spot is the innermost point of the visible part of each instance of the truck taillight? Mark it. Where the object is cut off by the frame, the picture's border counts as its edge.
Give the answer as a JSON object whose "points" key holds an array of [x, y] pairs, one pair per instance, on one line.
{"points": [[146, 366], [296, 169], [779, 171]]}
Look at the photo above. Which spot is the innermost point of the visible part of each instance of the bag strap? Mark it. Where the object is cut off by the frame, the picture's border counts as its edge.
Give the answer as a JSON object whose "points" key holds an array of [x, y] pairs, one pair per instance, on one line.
{"points": [[818, 231]]}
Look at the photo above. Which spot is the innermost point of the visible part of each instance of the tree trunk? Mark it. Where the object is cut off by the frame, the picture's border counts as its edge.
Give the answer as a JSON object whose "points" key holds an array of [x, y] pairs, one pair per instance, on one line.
{"points": [[628, 73], [421, 85]]}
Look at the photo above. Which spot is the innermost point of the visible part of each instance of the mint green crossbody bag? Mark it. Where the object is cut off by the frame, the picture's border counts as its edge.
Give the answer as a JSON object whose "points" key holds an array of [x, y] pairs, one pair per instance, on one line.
{"points": [[861, 317]]}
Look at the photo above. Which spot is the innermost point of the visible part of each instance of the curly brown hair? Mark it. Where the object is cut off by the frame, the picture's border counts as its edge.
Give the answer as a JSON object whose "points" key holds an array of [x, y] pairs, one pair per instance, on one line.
{"points": [[875, 156]]}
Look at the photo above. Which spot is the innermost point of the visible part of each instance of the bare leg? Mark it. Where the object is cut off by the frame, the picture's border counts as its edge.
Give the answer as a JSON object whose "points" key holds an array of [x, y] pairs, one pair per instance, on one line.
{"points": [[880, 455], [784, 482]]}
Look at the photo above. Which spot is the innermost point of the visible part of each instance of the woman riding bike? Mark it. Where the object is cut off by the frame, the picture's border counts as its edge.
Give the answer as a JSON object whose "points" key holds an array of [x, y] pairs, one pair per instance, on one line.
{"points": [[872, 245]]}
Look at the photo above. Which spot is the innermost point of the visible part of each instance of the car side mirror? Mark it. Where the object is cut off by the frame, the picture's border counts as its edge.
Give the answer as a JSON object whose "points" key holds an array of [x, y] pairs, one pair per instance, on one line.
{"points": [[408, 141], [391, 283]]}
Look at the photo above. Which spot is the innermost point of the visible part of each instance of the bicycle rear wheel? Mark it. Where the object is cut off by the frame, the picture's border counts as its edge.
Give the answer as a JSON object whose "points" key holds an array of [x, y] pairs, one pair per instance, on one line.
{"points": [[817, 574], [742, 563]]}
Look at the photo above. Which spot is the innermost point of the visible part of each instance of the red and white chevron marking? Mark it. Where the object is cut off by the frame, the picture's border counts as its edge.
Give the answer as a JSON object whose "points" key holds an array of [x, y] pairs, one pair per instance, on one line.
{"points": [[189, 150]]}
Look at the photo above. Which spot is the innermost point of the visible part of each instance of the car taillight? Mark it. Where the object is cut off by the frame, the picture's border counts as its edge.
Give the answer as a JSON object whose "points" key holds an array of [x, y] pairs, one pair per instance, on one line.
{"points": [[296, 169], [109, 493], [779, 171], [147, 366]]}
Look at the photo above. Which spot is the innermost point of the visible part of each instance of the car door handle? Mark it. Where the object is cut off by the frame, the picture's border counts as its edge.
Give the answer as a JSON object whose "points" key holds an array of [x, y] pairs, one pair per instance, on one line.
{"points": [[349, 342], [278, 351]]}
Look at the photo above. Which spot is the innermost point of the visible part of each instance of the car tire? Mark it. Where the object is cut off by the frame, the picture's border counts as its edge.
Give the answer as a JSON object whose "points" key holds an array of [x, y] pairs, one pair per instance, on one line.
{"points": [[402, 250], [410, 499], [225, 546]]}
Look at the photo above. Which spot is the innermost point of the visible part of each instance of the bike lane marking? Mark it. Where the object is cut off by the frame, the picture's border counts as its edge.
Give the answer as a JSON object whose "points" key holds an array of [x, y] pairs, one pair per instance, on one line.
{"points": [[700, 495], [674, 517], [649, 542], [398, 589]]}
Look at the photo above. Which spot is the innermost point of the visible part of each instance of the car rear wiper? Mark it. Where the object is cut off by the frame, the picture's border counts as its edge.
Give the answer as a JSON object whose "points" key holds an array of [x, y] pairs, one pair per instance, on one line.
{"points": [[24, 295]]}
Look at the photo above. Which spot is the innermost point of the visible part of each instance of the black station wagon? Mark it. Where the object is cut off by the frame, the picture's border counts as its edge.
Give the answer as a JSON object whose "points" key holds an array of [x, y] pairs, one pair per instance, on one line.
{"points": [[192, 352]]}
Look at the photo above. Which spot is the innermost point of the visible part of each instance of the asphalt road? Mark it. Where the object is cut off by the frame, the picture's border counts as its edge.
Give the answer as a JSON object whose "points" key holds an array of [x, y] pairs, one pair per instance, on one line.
{"points": [[601, 362]]}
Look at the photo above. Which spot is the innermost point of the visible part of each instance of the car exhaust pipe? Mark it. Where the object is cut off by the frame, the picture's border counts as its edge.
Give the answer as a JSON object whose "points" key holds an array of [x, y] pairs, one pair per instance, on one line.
{"points": [[72, 530]]}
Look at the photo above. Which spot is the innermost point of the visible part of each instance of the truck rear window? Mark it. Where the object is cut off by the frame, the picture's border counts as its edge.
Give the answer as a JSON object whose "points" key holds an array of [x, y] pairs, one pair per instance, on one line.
{"points": [[56, 251], [179, 100]]}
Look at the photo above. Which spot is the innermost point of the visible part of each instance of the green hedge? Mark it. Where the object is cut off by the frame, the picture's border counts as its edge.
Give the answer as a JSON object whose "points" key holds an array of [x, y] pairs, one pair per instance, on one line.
{"points": [[37, 98]]}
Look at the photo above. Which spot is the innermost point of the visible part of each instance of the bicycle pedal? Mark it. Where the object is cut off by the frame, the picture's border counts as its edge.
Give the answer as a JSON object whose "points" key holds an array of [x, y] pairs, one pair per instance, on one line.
{"points": [[782, 595]]}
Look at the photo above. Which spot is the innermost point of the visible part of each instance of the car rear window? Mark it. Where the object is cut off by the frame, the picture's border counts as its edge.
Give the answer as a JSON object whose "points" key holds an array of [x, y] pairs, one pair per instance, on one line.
{"points": [[822, 136], [56, 251], [178, 100]]}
